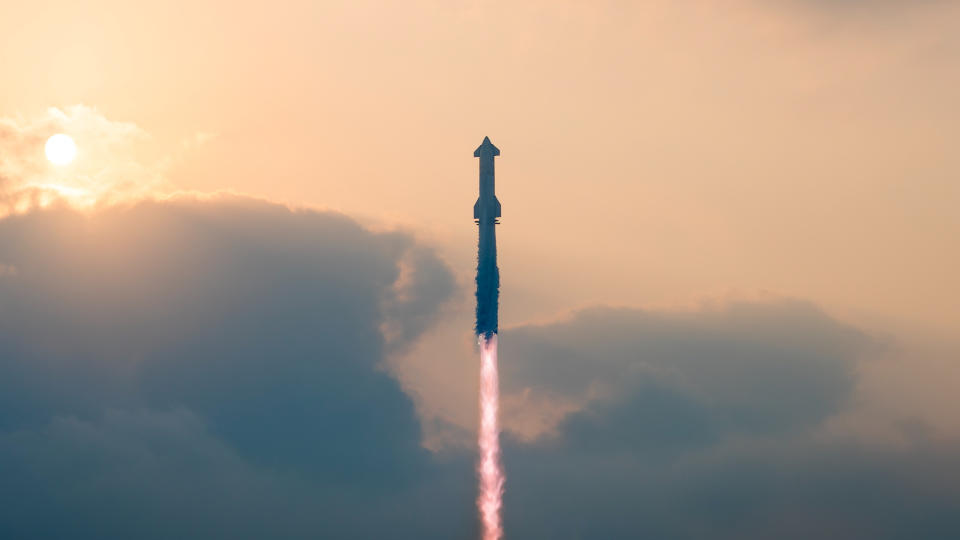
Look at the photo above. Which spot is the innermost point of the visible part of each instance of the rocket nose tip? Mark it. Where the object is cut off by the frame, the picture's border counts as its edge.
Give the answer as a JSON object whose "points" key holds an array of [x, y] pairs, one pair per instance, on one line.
{"points": [[486, 145]]}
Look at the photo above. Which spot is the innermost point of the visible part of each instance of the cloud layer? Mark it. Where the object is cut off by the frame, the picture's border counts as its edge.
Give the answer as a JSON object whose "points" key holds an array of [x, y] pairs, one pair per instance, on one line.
{"points": [[169, 365], [214, 368], [710, 424], [744, 367]]}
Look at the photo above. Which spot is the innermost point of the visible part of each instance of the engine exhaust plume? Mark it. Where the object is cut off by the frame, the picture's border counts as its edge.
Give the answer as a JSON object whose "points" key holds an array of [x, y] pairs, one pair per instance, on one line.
{"points": [[491, 473]]}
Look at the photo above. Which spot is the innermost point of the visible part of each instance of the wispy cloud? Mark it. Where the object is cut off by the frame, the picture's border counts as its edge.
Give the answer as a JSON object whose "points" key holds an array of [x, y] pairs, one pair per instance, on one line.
{"points": [[110, 165]]}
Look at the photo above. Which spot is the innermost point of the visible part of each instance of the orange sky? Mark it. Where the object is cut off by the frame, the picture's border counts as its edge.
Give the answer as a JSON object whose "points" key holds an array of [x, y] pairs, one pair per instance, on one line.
{"points": [[664, 151], [653, 153]]}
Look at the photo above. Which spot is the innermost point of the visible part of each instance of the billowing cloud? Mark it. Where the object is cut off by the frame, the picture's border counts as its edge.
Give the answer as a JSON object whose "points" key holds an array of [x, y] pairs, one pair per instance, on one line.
{"points": [[790, 488], [744, 367], [164, 474], [215, 368], [708, 424], [227, 348]]}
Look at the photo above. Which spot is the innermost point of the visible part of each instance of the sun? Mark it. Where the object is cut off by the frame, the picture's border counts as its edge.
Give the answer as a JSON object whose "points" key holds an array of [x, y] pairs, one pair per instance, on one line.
{"points": [[61, 149]]}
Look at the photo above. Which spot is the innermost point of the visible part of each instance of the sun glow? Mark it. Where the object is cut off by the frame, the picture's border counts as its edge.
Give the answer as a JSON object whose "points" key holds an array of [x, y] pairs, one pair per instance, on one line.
{"points": [[61, 149]]}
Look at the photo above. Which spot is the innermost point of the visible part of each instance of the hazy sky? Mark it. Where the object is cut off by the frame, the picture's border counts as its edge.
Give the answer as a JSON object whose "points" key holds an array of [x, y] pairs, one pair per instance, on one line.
{"points": [[700, 165], [664, 149]]}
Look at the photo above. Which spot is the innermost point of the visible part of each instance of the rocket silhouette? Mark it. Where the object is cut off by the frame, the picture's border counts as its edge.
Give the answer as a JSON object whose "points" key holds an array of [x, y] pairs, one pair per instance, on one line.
{"points": [[487, 206], [486, 213]]}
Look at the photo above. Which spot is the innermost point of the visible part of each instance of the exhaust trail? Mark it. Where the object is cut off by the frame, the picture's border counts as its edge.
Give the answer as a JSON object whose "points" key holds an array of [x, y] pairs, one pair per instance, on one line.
{"points": [[491, 473], [486, 213]]}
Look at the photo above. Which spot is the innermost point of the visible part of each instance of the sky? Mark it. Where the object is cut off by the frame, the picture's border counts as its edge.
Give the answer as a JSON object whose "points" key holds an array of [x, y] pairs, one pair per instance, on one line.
{"points": [[729, 302]]}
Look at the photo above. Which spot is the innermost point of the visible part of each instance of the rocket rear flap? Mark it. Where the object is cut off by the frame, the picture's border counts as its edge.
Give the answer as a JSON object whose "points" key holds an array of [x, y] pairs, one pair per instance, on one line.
{"points": [[493, 209]]}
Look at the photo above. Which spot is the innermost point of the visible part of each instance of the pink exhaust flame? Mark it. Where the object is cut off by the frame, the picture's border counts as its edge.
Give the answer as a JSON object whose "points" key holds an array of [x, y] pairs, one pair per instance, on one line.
{"points": [[491, 474]]}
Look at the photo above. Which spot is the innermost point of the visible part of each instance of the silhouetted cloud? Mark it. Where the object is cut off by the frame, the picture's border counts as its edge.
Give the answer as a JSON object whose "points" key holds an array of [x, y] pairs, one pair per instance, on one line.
{"points": [[784, 488], [424, 282], [709, 424], [205, 359], [165, 474], [213, 368], [744, 367]]}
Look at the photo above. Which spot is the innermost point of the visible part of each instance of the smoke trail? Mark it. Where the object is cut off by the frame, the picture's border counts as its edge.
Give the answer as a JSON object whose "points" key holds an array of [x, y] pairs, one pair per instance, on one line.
{"points": [[490, 498]]}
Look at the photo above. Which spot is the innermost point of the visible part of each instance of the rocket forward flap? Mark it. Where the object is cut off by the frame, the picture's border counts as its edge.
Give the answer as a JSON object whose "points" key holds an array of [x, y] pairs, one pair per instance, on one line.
{"points": [[486, 146]]}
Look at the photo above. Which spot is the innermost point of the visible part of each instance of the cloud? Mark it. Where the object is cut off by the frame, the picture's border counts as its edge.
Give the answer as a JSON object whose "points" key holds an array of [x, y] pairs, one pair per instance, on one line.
{"points": [[217, 347], [104, 477], [237, 308], [709, 424], [164, 474], [791, 488], [111, 163], [423, 283], [214, 368], [743, 367]]}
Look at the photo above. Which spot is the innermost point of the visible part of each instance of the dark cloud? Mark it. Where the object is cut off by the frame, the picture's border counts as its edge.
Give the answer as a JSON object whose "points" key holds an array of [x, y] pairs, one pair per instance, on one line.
{"points": [[213, 369], [157, 475], [746, 367], [239, 345], [706, 427], [424, 282], [785, 489]]}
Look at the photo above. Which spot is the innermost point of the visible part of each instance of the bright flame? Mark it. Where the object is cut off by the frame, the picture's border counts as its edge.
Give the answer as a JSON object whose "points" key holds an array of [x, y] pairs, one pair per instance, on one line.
{"points": [[60, 149], [491, 473]]}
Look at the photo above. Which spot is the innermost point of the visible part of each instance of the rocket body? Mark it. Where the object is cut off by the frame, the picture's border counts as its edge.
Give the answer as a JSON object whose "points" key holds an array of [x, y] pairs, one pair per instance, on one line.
{"points": [[487, 207], [486, 213]]}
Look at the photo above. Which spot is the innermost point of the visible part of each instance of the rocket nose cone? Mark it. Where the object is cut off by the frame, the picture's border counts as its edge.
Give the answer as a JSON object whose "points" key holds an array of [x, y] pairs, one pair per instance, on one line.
{"points": [[486, 146]]}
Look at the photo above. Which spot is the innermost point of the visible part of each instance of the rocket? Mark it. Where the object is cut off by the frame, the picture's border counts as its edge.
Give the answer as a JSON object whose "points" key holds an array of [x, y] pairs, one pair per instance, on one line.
{"points": [[487, 207], [486, 213]]}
